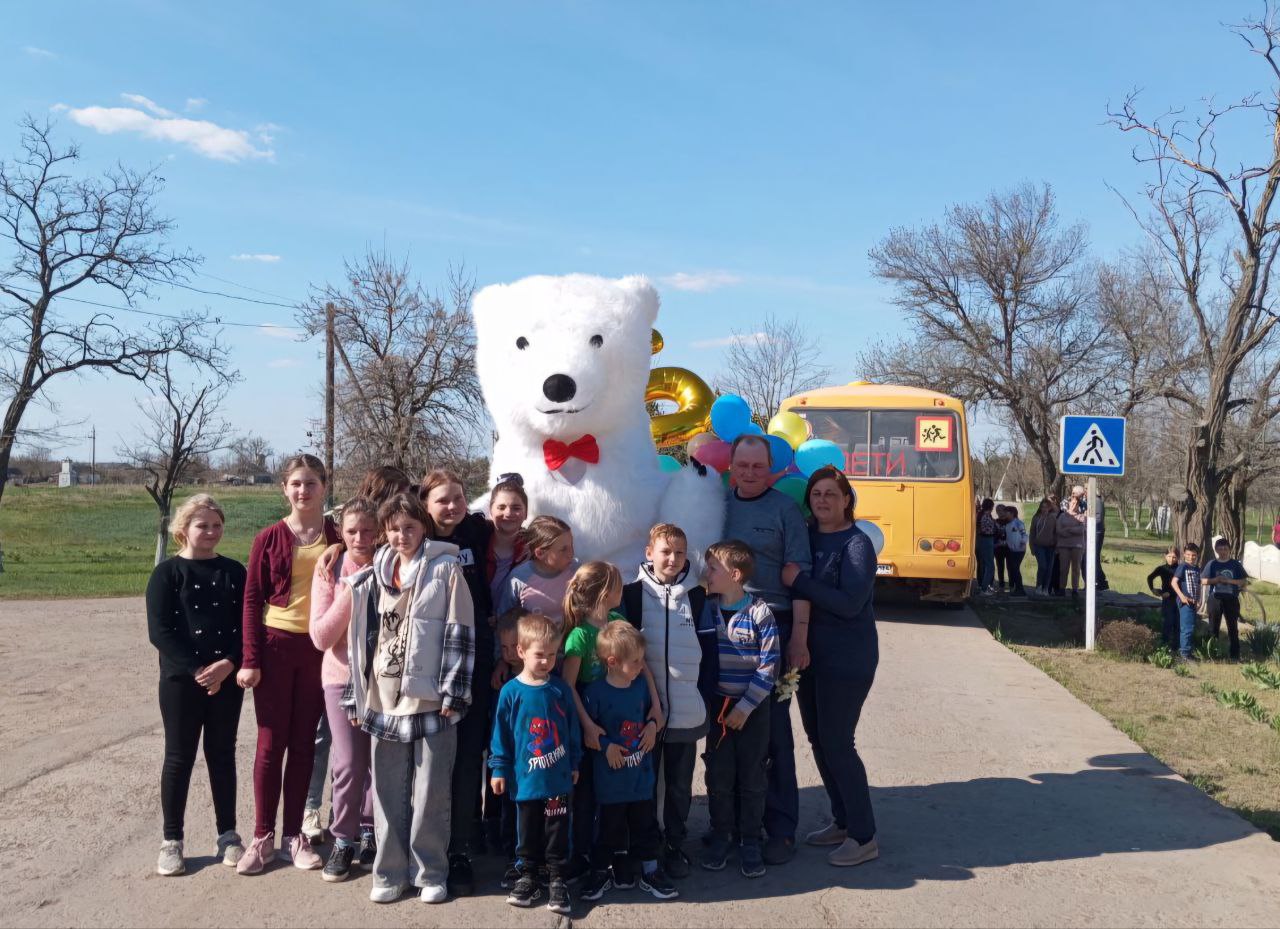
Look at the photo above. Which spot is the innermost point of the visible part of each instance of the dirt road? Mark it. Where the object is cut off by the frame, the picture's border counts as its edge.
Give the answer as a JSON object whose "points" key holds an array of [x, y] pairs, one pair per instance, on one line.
{"points": [[1001, 800]]}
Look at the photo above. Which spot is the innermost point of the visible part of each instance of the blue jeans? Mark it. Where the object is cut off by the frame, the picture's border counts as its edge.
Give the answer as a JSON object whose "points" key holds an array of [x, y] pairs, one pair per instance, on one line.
{"points": [[1044, 564], [319, 767], [1187, 628], [986, 552], [782, 798]]}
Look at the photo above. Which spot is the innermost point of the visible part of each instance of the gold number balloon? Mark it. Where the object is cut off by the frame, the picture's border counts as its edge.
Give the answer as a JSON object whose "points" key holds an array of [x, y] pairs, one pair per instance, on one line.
{"points": [[690, 394]]}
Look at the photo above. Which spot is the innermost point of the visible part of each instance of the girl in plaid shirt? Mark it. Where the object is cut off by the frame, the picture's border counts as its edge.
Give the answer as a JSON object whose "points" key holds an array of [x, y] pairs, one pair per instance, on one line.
{"points": [[412, 649]]}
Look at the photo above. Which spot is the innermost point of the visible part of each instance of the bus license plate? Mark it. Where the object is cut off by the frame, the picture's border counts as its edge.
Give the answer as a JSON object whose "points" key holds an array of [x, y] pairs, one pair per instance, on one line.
{"points": [[884, 569]]}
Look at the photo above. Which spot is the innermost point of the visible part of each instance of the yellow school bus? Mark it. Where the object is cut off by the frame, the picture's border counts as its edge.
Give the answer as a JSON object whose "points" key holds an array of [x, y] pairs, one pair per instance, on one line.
{"points": [[907, 455]]}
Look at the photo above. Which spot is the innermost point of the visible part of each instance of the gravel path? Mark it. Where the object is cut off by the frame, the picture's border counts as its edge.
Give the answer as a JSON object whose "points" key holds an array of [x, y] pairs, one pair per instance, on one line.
{"points": [[1001, 801]]}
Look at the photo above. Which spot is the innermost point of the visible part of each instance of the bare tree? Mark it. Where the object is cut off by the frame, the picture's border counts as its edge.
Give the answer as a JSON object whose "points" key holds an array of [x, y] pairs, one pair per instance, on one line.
{"points": [[247, 455], [64, 232], [181, 426], [1002, 313], [407, 394], [778, 360], [1218, 236]]}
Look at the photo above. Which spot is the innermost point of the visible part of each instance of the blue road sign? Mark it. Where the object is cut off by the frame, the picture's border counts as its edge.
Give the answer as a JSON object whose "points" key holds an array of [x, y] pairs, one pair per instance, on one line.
{"points": [[1091, 445]]}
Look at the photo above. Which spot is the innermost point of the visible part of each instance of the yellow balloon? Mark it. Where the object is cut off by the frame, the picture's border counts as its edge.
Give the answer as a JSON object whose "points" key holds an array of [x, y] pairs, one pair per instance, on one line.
{"points": [[693, 399], [790, 427], [655, 342]]}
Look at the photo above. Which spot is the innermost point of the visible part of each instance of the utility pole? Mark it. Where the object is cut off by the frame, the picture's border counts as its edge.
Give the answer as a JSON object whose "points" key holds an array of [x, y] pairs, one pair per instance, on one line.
{"points": [[93, 455], [328, 399]]}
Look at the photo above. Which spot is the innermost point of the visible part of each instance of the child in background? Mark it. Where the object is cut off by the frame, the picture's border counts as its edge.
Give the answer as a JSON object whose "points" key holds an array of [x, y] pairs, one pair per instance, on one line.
{"points": [[199, 650], [618, 707], [283, 666], [738, 744], [680, 648], [1224, 576], [1168, 599], [352, 821], [1001, 546], [1015, 539], [1186, 587], [534, 754], [412, 648], [539, 584]]}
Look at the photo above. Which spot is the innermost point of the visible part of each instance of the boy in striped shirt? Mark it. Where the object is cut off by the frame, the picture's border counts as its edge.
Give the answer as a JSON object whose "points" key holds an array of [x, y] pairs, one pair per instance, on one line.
{"points": [[748, 651]]}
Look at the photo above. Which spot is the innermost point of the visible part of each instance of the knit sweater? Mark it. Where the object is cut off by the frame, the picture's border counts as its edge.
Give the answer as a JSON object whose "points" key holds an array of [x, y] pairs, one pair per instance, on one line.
{"points": [[330, 617]]}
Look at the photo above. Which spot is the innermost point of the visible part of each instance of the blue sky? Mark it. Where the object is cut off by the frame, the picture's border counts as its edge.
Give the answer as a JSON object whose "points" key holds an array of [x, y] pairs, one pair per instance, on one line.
{"points": [[744, 155]]}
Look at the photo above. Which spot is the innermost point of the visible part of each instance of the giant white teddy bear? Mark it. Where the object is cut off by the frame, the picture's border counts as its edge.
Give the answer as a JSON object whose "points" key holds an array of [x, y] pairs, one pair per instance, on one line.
{"points": [[563, 362]]}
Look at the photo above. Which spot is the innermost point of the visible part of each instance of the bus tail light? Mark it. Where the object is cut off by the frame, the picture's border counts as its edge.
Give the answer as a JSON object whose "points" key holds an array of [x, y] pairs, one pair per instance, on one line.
{"points": [[926, 545], [953, 546], [939, 545]]}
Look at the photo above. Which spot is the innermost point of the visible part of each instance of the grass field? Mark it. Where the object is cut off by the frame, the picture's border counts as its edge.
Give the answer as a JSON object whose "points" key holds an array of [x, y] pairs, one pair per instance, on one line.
{"points": [[100, 541]]}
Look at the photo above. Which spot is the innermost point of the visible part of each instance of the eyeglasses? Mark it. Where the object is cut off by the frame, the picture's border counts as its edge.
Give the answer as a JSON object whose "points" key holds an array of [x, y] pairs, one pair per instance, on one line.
{"points": [[511, 477]]}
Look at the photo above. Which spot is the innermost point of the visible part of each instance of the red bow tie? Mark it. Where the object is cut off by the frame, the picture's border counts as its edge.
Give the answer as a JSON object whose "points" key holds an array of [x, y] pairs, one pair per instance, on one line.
{"points": [[557, 453]]}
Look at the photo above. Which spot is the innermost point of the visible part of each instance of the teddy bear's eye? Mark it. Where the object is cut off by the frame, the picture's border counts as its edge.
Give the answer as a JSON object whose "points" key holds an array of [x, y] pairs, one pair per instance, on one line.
{"points": [[522, 343], [597, 340]]}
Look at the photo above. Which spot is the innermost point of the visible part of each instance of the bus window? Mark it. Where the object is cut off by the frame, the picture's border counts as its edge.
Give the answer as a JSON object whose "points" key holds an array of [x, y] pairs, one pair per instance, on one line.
{"points": [[892, 444]]}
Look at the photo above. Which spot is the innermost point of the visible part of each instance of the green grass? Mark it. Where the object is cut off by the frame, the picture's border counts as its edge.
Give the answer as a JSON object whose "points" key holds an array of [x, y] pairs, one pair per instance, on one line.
{"points": [[100, 541]]}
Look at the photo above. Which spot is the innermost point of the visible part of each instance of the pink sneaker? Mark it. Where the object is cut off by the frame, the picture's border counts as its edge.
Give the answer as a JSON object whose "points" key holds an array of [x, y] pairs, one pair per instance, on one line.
{"points": [[261, 852], [303, 855]]}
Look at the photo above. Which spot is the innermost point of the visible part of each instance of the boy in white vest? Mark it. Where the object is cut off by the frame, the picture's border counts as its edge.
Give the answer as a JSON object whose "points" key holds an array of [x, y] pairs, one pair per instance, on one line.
{"points": [[680, 647]]}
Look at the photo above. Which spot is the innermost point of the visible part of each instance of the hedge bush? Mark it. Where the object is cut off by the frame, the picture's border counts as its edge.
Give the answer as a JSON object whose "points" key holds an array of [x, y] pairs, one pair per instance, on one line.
{"points": [[1126, 639]]}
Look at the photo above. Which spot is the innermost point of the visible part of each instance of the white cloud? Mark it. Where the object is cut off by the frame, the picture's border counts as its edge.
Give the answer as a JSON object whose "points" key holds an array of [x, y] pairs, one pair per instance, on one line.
{"points": [[726, 341], [276, 332], [701, 282], [283, 363], [267, 132], [36, 52], [195, 103], [203, 137], [262, 256], [147, 104]]}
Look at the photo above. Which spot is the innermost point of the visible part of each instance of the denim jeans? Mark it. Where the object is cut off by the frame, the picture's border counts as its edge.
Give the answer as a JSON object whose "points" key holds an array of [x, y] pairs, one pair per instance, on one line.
{"points": [[411, 808], [1187, 628], [320, 767], [1044, 564], [986, 552], [782, 799]]}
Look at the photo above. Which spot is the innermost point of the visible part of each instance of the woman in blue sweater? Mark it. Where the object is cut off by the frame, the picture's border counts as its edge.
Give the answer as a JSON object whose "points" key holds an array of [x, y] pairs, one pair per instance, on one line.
{"points": [[844, 653]]}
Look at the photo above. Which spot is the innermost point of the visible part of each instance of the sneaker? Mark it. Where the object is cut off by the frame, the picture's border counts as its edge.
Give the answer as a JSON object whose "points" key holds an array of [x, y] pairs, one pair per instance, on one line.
{"points": [[300, 852], [461, 881], [311, 827], [830, 834], [230, 848], [368, 850], [750, 861], [675, 862], [526, 892], [434, 893], [716, 854], [509, 878], [658, 884], [386, 893], [851, 853], [595, 885], [779, 851], [170, 862], [339, 864], [260, 853], [558, 897]]}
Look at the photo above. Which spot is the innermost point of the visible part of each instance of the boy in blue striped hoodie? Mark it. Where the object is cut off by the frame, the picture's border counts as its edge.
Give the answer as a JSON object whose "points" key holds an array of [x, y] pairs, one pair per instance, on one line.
{"points": [[738, 742]]}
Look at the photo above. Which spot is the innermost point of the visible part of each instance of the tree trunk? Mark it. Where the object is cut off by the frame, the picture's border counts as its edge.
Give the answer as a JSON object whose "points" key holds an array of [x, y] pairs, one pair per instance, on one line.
{"points": [[162, 536], [1231, 514], [1193, 513]]}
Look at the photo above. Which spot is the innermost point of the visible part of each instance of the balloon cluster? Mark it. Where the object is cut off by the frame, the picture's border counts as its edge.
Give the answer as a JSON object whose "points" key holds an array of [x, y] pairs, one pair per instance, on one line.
{"points": [[795, 455]]}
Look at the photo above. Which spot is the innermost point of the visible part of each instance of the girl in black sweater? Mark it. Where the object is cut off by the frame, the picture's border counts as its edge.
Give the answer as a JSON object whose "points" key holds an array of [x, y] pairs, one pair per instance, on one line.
{"points": [[194, 602]]}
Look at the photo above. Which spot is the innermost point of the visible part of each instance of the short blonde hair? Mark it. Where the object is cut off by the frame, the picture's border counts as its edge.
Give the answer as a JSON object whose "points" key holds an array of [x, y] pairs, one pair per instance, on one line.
{"points": [[734, 556], [536, 629], [621, 640], [187, 511]]}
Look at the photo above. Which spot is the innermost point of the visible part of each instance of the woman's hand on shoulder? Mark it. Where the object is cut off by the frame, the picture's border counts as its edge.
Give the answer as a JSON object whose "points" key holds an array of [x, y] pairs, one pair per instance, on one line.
{"points": [[328, 558]]}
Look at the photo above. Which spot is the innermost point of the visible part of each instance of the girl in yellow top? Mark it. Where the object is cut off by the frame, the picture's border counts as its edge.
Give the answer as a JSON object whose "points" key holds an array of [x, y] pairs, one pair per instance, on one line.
{"points": [[282, 664]]}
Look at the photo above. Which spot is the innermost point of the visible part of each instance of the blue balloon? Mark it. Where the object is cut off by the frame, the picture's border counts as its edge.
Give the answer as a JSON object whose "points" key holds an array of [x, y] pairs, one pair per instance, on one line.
{"points": [[753, 428], [818, 453], [783, 456], [668, 465], [730, 416]]}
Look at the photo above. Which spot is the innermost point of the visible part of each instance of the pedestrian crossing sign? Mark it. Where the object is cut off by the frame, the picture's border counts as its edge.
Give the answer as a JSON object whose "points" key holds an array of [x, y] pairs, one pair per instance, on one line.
{"points": [[1091, 445]]}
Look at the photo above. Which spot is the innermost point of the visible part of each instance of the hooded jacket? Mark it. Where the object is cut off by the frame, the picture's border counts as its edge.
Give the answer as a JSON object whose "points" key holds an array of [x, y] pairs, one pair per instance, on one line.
{"points": [[1071, 529], [677, 637], [439, 650]]}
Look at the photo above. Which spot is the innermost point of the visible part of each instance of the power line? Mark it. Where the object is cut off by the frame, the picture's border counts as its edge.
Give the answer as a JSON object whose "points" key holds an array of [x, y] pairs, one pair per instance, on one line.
{"points": [[219, 293], [256, 290]]}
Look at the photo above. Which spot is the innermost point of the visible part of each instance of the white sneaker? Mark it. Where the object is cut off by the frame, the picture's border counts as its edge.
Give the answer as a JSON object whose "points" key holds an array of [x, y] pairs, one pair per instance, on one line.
{"points": [[170, 862], [311, 827], [230, 848], [434, 893], [386, 893]]}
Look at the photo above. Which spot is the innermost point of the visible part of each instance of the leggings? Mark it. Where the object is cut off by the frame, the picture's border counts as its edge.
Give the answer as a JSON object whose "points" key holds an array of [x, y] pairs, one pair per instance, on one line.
{"points": [[288, 702], [186, 710]]}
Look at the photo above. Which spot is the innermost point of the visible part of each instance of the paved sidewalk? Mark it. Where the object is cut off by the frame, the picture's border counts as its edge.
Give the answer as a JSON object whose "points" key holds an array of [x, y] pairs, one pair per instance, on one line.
{"points": [[1001, 801]]}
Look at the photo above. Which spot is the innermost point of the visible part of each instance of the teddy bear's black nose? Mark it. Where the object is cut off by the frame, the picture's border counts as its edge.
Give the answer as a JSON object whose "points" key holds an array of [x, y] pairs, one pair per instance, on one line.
{"points": [[559, 388]]}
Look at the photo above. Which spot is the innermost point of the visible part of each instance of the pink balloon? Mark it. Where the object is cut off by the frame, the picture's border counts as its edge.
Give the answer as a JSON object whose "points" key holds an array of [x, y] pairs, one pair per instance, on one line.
{"points": [[714, 455], [699, 440]]}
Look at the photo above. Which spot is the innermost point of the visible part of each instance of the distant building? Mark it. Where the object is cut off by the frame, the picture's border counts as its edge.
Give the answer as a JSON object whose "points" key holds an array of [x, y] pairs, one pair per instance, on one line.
{"points": [[68, 476], [14, 476]]}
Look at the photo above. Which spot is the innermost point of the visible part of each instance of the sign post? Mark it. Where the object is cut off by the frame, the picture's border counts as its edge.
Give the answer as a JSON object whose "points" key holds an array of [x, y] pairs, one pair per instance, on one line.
{"points": [[1091, 445]]}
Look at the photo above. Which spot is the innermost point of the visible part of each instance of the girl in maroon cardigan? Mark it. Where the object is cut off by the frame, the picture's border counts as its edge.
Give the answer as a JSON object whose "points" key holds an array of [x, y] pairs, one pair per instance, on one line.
{"points": [[283, 665]]}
